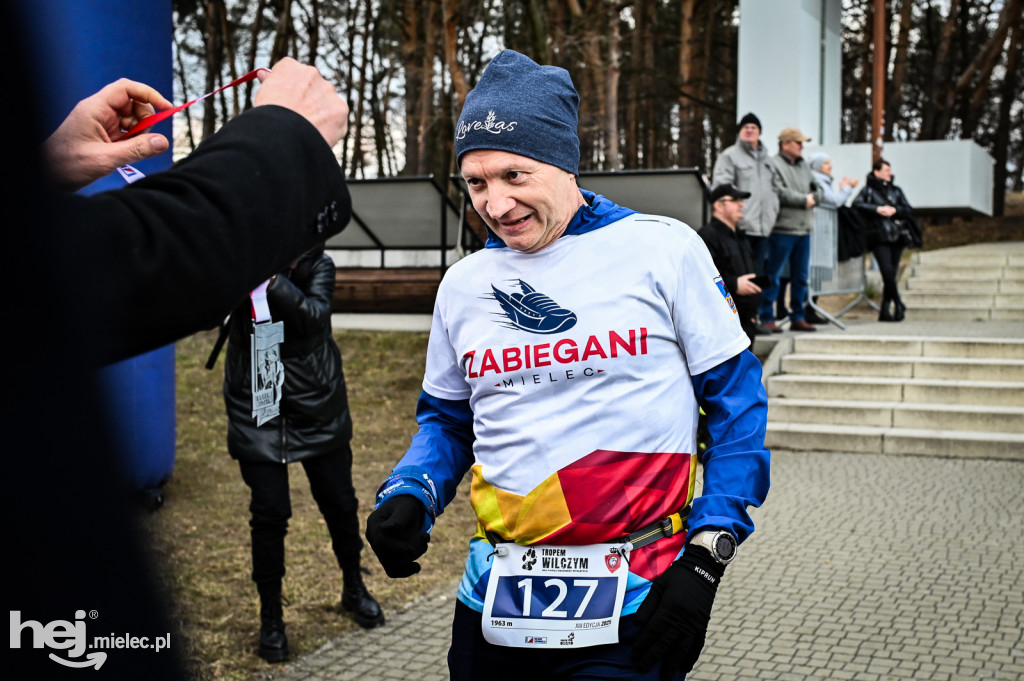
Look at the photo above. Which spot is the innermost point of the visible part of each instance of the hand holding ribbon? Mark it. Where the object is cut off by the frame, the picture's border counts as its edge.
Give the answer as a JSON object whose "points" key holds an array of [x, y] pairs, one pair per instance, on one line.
{"points": [[107, 131], [90, 143], [154, 118], [294, 86], [302, 89]]}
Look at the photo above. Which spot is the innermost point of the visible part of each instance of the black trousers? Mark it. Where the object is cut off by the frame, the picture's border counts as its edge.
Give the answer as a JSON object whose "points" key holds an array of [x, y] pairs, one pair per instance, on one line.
{"points": [[888, 258], [330, 481], [746, 308], [472, 658]]}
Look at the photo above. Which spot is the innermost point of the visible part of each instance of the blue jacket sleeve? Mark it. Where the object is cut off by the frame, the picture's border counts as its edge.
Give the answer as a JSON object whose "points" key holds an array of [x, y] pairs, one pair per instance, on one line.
{"points": [[736, 465], [440, 455]]}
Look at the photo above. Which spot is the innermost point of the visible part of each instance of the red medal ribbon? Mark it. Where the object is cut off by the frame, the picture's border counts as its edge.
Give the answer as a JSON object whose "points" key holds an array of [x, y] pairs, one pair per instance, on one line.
{"points": [[152, 119]]}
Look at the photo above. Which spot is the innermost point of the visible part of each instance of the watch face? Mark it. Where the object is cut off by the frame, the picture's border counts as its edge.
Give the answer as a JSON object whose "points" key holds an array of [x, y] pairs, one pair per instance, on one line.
{"points": [[725, 546]]}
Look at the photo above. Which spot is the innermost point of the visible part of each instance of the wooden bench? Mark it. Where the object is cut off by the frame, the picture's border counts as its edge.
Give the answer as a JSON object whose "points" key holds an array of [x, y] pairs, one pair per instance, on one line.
{"points": [[405, 290]]}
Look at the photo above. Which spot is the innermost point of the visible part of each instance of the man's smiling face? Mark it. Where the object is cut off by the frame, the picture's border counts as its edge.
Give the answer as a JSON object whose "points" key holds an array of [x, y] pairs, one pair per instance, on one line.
{"points": [[526, 203]]}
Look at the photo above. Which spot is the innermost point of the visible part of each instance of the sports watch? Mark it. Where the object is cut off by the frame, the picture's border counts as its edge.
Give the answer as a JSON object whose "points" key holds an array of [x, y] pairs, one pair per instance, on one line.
{"points": [[719, 543]]}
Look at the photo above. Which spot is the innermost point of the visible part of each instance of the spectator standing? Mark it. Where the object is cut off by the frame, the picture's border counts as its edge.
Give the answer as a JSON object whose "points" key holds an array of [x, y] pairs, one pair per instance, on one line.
{"points": [[890, 228], [832, 195], [572, 439], [731, 253], [790, 240], [314, 427], [747, 166]]}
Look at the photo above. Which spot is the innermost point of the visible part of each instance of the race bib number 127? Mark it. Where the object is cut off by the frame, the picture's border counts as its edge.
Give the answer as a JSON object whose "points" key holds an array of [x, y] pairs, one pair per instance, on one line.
{"points": [[544, 596]]}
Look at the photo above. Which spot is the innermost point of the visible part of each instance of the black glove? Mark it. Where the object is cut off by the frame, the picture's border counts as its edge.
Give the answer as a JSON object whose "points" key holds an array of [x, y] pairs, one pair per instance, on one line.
{"points": [[676, 612], [393, 530]]}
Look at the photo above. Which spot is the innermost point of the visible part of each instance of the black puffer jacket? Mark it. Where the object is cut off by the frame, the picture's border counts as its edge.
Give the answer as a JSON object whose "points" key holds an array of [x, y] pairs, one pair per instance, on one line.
{"points": [[314, 415], [877, 193]]}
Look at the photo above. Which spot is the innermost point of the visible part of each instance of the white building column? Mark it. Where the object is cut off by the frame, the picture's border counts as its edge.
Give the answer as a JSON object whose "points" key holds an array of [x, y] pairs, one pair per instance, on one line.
{"points": [[790, 70]]}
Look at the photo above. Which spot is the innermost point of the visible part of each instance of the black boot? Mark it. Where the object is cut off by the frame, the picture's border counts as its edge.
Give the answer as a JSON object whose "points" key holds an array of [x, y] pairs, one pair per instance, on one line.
{"points": [[884, 315], [273, 642], [358, 601], [900, 310]]}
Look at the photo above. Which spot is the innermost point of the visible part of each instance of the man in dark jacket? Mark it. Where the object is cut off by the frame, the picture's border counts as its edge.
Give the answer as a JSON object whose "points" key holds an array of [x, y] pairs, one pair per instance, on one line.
{"points": [[733, 256], [126, 272], [313, 427], [790, 240]]}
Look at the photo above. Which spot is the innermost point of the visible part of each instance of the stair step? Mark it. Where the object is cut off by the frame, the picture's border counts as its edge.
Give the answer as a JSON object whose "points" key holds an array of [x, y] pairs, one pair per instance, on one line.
{"points": [[1008, 314], [1003, 419], [1009, 285], [959, 313], [955, 270], [841, 344], [972, 285], [881, 366], [909, 395], [875, 440], [1009, 393], [958, 258], [915, 299]]}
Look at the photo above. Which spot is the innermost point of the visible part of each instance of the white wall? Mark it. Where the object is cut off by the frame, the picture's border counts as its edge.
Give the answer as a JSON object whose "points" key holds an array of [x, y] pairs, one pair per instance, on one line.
{"points": [[941, 175]]}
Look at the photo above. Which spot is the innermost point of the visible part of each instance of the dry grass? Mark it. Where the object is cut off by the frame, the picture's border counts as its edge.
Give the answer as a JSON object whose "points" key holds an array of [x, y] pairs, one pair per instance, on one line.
{"points": [[201, 534], [962, 231]]}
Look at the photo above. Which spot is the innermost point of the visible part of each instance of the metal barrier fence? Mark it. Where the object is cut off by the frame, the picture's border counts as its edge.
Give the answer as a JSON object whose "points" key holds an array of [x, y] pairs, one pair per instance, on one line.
{"points": [[829, 276]]}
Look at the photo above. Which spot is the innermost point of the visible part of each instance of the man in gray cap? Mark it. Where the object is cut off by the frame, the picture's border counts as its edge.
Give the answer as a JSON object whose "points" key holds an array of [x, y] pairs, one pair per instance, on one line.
{"points": [[790, 240], [565, 367]]}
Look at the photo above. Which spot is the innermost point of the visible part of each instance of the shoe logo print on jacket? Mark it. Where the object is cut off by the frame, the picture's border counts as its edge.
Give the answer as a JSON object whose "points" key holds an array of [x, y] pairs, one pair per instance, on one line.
{"points": [[533, 311]]}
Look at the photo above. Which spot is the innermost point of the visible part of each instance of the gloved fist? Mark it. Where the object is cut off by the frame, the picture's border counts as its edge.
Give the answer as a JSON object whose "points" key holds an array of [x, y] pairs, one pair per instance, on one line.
{"points": [[676, 612], [394, 533]]}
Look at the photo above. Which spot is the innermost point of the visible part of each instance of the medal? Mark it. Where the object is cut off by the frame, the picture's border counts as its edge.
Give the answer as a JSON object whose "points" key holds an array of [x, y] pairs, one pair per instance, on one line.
{"points": [[265, 355]]}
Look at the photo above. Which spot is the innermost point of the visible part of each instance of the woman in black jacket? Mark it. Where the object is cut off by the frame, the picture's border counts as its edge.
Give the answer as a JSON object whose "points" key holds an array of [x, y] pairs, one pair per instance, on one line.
{"points": [[314, 427], [890, 227]]}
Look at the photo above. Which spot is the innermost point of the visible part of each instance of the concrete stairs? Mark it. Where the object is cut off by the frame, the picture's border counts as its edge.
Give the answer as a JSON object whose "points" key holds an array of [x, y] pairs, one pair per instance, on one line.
{"points": [[982, 282], [956, 397]]}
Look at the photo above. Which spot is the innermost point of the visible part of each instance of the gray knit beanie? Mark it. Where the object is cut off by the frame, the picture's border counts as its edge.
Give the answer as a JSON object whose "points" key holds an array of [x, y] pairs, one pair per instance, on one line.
{"points": [[523, 108], [817, 160]]}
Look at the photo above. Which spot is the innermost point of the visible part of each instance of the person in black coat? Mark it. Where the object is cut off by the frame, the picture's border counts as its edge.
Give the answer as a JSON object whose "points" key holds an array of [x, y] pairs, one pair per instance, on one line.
{"points": [[889, 228], [314, 427], [732, 254], [109, 276]]}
